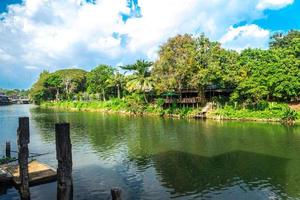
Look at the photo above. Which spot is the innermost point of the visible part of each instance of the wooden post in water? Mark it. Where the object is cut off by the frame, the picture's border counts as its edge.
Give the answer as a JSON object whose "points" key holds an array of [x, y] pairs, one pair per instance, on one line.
{"points": [[23, 154], [116, 194], [7, 150], [64, 158]]}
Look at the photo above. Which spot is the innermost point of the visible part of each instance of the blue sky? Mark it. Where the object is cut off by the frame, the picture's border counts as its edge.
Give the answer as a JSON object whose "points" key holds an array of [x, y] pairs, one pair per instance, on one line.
{"points": [[5, 3], [38, 35], [284, 19]]}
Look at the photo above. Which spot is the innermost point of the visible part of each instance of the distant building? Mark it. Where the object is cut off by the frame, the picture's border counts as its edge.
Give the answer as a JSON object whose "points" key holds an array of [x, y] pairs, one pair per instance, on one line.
{"points": [[4, 100], [191, 97]]}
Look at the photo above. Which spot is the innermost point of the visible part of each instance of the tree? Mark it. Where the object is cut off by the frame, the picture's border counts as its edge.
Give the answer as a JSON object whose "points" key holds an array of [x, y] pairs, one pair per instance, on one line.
{"points": [[195, 63], [62, 84], [176, 64], [215, 66], [186, 62], [271, 75], [73, 81], [117, 81], [54, 85], [280, 40], [140, 81], [97, 80], [38, 92]]}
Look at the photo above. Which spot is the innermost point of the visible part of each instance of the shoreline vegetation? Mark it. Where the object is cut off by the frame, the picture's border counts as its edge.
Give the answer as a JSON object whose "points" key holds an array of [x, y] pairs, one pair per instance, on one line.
{"points": [[190, 71], [274, 113]]}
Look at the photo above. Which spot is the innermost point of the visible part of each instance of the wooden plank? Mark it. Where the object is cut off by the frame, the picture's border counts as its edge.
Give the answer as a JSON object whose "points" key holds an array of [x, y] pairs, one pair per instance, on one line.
{"points": [[5, 177], [39, 173], [38, 178]]}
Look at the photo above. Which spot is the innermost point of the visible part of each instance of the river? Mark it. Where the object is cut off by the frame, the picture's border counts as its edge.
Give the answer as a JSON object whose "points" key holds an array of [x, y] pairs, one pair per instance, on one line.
{"points": [[156, 158]]}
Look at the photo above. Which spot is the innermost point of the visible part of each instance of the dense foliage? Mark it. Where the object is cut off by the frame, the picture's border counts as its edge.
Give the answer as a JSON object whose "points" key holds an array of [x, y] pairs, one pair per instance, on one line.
{"points": [[62, 84], [14, 92], [264, 110], [187, 62]]}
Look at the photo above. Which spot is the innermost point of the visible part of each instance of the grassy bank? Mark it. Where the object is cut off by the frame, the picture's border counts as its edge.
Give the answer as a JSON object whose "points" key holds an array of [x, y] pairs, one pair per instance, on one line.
{"points": [[275, 112], [268, 112], [125, 106]]}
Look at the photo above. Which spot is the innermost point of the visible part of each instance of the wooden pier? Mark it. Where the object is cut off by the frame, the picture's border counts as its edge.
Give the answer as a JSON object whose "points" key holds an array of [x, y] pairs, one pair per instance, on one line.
{"points": [[39, 173], [202, 114], [23, 174]]}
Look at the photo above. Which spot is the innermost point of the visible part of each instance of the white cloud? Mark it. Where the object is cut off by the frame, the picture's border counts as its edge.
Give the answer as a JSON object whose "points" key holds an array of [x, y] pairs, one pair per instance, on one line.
{"points": [[31, 67], [4, 56], [53, 34], [245, 36], [273, 4]]}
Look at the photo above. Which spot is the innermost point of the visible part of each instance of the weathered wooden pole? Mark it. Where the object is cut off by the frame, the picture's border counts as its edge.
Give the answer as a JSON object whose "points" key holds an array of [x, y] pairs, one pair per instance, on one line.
{"points": [[23, 154], [64, 158], [7, 150], [116, 194]]}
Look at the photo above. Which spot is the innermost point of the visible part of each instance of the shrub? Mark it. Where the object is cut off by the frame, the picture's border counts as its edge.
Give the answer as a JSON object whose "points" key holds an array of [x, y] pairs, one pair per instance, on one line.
{"points": [[261, 110], [289, 116], [135, 103]]}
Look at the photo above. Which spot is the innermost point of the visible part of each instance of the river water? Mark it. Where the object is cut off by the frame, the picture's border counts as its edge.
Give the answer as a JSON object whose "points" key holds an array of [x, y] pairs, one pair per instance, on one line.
{"points": [[155, 158]]}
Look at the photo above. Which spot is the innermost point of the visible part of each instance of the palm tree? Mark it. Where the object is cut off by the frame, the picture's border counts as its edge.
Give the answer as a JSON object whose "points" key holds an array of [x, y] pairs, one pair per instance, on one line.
{"points": [[116, 81], [140, 80]]}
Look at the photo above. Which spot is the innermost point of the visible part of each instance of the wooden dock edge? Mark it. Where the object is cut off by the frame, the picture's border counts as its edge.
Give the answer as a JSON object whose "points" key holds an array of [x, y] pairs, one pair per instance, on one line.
{"points": [[39, 173]]}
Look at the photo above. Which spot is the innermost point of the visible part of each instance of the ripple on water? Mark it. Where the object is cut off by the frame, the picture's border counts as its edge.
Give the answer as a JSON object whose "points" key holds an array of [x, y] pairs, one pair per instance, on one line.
{"points": [[153, 158]]}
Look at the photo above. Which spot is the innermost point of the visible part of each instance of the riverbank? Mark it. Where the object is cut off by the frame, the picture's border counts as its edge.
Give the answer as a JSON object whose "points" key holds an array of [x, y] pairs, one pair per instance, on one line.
{"points": [[120, 106], [269, 112], [273, 112]]}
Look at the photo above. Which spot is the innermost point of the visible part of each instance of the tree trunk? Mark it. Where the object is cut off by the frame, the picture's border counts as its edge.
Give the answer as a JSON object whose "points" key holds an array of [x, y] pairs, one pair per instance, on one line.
{"points": [[118, 91], [145, 97], [103, 94], [57, 95], [180, 94], [180, 91]]}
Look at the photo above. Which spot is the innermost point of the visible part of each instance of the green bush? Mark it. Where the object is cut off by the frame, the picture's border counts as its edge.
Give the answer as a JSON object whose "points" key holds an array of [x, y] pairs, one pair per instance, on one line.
{"points": [[135, 103], [262, 110], [289, 115]]}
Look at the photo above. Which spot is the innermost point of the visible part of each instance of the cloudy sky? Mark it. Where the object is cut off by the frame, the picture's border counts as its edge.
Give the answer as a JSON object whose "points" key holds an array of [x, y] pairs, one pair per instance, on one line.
{"points": [[38, 35]]}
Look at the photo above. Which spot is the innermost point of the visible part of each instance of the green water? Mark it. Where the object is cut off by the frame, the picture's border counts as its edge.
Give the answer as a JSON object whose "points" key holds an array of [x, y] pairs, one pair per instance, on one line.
{"points": [[155, 158]]}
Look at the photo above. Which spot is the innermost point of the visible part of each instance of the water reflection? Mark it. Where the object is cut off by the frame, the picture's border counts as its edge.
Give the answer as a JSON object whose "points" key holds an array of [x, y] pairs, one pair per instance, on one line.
{"points": [[190, 158], [154, 158], [204, 175]]}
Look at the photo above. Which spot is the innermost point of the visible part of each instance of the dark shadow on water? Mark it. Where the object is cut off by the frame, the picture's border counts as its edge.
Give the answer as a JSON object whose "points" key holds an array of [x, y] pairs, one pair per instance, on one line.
{"points": [[185, 173], [3, 189]]}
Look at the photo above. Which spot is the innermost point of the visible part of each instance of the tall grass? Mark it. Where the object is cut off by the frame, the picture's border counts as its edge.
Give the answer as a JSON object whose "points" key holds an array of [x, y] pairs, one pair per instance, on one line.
{"points": [[132, 104], [265, 110]]}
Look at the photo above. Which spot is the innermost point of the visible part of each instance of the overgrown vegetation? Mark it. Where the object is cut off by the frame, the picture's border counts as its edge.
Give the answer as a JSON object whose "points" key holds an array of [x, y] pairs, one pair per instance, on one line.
{"points": [[269, 111], [134, 104], [257, 78]]}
